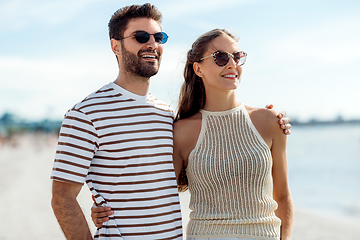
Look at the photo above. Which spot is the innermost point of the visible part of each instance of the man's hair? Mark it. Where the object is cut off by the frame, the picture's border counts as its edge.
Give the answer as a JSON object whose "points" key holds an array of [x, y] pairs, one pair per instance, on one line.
{"points": [[120, 19]]}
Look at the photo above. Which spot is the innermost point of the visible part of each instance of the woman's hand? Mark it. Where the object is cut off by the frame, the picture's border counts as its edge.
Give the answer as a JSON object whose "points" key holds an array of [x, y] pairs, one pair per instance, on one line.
{"points": [[100, 215]]}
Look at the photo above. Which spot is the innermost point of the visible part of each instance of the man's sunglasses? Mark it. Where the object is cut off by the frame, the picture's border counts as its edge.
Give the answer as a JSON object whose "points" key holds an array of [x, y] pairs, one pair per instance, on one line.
{"points": [[143, 37], [222, 58]]}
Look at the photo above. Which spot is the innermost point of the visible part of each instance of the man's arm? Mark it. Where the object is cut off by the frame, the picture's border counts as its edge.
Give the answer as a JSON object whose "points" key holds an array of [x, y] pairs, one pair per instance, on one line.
{"points": [[68, 212]]}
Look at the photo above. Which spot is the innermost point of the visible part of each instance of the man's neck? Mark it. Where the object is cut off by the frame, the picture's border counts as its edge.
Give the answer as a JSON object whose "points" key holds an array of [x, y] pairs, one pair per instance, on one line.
{"points": [[135, 84]]}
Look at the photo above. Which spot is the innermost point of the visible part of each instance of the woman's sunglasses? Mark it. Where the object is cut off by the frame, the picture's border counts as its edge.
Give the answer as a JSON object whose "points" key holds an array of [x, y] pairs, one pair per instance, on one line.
{"points": [[222, 58], [143, 37]]}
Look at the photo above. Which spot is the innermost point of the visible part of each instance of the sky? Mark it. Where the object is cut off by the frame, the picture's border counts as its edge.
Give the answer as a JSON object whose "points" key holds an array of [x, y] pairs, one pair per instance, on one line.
{"points": [[303, 56]]}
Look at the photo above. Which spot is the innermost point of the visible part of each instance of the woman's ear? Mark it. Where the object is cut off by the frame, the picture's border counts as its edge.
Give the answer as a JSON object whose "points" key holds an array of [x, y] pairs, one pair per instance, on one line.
{"points": [[197, 69]]}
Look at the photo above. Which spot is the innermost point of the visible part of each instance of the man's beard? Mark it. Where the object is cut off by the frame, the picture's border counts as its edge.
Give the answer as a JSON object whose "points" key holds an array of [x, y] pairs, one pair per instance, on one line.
{"points": [[134, 64]]}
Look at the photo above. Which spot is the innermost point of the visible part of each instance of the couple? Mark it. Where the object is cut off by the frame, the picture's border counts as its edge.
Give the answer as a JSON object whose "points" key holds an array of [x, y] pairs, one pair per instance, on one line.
{"points": [[121, 141]]}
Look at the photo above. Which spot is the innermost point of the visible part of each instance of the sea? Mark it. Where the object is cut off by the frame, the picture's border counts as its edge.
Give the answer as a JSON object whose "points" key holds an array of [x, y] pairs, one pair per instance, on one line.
{"points": [[324, 169]]}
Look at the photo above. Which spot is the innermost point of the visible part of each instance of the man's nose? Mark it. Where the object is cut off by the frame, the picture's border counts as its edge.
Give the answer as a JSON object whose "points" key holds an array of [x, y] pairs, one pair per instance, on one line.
{"points": [[152, 44]]}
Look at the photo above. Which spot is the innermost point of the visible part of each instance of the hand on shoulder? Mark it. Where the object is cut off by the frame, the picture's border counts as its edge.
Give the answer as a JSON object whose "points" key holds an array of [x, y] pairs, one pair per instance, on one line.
{"points": [[283, 120], [266, 122], [264, 116]]}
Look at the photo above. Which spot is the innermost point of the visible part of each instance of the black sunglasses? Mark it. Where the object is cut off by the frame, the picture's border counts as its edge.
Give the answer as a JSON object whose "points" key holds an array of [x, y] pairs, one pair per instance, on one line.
{"points": [[143, 37], [222, 58]]}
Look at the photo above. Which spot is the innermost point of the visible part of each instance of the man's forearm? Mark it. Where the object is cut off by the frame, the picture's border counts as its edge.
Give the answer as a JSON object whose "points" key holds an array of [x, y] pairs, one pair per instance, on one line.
{"points": [[71, 219]]}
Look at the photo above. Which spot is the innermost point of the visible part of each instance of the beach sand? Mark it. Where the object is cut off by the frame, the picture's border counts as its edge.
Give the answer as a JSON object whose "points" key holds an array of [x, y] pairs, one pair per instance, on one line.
{"points": [[25, 213]]}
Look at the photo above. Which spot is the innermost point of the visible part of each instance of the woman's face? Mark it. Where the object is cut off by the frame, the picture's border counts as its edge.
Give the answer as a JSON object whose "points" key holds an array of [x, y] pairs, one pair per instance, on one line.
{"points": [[220, 77]]}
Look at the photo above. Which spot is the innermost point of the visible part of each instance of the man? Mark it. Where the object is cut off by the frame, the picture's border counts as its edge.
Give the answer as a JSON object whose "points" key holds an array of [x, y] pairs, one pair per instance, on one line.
{"points": [[119, 141]]}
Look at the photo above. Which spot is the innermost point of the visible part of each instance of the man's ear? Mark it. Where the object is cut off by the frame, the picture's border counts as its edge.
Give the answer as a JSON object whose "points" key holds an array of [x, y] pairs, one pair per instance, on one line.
{"points": [[115, 46], [197, 69]]}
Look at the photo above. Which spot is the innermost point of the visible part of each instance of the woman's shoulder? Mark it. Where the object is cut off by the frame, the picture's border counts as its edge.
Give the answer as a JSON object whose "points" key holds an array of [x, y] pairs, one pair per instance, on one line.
{"points": [[263, 116], [187, 122], [186, 133], [266, 122], [186, 126], [264, 112]]}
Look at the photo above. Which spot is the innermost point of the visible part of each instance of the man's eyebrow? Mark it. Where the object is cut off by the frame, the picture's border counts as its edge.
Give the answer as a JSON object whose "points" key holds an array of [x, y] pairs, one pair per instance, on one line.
{"points": [[134, 32], [138, 31]]}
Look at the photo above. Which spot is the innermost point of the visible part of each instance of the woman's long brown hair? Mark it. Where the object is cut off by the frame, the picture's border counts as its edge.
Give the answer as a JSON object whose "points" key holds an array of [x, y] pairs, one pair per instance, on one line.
{"points": [[192, 94]]}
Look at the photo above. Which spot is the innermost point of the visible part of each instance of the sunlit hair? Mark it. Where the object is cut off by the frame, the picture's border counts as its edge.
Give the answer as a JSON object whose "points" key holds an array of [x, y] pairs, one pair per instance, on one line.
{"points": [[120, 19], [192, 94]]}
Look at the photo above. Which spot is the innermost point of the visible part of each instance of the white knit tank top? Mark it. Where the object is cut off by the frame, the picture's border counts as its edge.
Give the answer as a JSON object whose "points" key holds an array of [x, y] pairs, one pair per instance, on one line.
{"points": [[230, 181]]}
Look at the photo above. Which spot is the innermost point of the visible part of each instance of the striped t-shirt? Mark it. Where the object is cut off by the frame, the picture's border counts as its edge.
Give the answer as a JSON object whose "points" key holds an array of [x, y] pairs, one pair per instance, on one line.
{"points": [[121, 145]]}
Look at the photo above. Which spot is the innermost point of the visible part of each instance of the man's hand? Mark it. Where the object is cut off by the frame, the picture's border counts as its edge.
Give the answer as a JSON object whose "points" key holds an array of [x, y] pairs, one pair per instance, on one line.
{"points": [[100, 215], [284, 121]]}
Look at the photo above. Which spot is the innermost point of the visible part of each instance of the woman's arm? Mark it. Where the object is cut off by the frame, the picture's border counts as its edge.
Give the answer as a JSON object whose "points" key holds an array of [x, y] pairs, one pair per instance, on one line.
{"points": [[100, 214], [186, 133], [281, 190], [178, 160]]}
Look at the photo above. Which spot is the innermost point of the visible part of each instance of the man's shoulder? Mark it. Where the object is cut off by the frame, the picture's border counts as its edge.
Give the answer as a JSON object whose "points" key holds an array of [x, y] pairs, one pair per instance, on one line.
{"points": [[159, 103], [97, 99], [100, 95]]}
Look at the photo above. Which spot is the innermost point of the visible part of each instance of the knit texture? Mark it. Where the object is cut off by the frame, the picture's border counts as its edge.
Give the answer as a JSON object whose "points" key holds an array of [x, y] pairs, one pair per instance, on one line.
{"points": [[230, 181]]}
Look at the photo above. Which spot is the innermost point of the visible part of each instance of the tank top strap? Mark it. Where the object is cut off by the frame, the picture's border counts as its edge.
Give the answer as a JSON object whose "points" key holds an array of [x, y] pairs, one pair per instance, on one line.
{"points": [[219, 113]]}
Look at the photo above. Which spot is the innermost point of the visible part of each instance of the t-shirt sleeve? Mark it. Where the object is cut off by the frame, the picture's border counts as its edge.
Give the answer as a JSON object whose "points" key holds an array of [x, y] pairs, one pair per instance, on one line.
{"points": [[78, 142]]}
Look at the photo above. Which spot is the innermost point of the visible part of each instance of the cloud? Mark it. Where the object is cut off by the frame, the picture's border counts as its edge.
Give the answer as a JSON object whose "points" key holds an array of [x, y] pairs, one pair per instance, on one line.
{"points": [[309, 72], [332, 43], [285, 68], [18, 14], [179, 10], [29, 87]]}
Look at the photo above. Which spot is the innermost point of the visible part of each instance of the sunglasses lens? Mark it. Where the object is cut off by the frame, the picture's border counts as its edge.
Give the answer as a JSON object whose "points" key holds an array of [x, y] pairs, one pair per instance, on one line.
{"points": [[158, 37], [237, 57], [164, 37], [142, 37], [240, 58], [221, 58]]}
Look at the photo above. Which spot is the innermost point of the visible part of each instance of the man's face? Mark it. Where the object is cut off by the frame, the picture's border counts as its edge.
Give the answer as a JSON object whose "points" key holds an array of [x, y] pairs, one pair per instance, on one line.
{"points": [[142, 59]]}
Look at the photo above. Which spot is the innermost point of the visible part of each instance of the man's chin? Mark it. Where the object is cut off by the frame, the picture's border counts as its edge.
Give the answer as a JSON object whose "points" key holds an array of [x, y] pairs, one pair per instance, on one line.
{"points": [[148, 75], [149, 71]]}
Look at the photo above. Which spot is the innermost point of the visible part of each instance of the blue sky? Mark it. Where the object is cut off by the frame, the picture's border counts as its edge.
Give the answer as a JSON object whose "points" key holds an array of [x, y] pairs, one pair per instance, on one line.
{"points": [[303, 56]]}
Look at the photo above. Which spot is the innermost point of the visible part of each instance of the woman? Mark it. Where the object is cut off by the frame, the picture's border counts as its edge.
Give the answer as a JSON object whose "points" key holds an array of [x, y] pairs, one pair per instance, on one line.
{"points": [[234, 155], [231, 156]]}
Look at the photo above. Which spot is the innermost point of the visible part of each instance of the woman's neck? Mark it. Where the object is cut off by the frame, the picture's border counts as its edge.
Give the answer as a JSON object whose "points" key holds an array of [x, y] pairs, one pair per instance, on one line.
{"points": [[220, 101]]}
